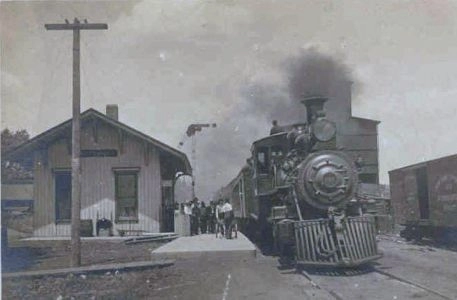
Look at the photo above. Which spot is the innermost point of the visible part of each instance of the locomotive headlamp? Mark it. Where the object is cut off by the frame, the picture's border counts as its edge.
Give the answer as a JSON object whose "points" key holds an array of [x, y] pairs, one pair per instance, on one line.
{"points": [[323, 130]]}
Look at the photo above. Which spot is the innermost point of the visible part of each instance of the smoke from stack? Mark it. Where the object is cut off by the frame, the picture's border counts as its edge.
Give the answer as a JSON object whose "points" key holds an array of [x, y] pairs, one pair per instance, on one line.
{"points": [[223, 151], [311, 73]]}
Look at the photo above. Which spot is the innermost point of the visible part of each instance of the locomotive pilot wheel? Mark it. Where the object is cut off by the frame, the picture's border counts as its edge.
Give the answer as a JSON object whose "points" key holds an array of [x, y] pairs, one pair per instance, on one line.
{"points": [[326, 178]]}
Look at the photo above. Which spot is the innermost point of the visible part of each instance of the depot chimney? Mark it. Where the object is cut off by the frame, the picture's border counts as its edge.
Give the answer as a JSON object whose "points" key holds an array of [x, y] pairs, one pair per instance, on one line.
{"points": [[112, 111]]}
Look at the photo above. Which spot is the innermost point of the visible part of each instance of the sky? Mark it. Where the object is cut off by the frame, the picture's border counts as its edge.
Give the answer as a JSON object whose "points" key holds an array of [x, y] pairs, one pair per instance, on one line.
{"points": [[168, 64]]}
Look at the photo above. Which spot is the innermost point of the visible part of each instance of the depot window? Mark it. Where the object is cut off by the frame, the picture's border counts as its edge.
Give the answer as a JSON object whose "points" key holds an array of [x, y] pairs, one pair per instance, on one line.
{"points": [[126, 194], [62, 195]]}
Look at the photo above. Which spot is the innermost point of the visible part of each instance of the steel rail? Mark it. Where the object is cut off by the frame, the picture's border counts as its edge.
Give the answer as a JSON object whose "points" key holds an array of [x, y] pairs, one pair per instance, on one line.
{"points": [[315, 283], [390, 275]]}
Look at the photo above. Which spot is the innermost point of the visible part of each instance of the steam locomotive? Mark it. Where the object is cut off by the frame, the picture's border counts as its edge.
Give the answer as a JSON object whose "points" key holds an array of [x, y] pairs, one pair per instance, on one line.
{"points": [[297, 195]]}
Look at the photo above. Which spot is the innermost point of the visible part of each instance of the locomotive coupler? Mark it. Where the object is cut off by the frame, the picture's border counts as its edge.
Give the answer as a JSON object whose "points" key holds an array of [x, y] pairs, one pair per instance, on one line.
{"points": [[337, 217]]}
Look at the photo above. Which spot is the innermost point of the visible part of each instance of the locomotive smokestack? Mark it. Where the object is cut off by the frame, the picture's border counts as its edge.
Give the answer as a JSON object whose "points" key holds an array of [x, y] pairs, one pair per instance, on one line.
{"points": [[313, 105]]}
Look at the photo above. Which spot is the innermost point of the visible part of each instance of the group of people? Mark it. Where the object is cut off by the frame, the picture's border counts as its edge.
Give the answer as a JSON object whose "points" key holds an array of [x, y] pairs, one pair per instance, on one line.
{"points": [[217, 217]]}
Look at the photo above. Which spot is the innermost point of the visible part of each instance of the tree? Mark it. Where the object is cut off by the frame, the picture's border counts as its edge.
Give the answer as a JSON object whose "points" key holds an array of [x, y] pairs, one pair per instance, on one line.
{"points": [[15, 170]]}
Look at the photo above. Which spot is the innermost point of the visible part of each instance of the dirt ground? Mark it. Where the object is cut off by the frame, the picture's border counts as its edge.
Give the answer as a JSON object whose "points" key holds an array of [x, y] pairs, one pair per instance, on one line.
{"points": [[198, 278], [81, 287], [111, 285], [228, 278], [58, 254]]}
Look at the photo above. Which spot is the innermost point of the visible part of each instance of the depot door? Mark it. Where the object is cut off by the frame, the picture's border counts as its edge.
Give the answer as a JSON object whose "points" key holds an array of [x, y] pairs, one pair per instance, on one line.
{"points": [[167, 223]]}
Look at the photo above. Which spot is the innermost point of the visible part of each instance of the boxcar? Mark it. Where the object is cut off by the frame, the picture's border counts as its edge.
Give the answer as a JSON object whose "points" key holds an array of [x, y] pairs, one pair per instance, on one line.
{"points": [[424, 198]]}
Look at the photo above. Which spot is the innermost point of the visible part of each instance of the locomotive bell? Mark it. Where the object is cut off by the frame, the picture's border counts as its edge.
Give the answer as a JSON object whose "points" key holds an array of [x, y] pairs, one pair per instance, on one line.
{"points": [[302, 141], [301, 138]]}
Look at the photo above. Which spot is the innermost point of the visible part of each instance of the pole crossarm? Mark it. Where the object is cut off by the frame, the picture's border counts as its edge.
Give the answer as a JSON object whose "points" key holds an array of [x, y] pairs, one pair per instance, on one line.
{"points": [[80, 26], [76, 25]]}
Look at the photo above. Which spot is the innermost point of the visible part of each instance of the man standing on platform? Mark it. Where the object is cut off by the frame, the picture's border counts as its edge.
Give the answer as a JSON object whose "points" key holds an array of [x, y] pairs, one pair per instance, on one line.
{"points": [[203, 218], [187, 218], [211, 216], [220, 218], [195, 217], [228, 218]]}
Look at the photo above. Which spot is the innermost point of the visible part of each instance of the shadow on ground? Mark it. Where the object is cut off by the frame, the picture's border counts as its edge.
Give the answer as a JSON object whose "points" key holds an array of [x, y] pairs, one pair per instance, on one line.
{"points": [[340, 272], [21, 258]]}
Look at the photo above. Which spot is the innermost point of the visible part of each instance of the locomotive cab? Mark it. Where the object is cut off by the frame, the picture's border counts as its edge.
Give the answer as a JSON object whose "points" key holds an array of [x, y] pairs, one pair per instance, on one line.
{"points": [[268, 153]]}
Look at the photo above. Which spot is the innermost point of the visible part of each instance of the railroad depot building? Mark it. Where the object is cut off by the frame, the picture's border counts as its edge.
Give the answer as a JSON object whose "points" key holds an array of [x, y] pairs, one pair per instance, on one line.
{"points": [[126, 177]]}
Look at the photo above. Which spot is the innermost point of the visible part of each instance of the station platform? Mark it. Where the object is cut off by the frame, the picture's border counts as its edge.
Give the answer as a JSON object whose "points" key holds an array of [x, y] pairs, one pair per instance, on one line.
{"points": [[205, 245]]}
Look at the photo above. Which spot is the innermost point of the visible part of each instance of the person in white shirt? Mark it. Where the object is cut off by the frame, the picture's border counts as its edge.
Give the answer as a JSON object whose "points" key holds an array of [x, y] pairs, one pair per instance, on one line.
{"points": [[187, 214], [220, 218], [187, 209], [227, 206], [228, 218]]}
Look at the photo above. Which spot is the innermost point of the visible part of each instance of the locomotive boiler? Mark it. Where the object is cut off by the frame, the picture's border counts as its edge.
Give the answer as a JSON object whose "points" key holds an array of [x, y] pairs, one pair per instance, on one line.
{"points": [[303, 195]]}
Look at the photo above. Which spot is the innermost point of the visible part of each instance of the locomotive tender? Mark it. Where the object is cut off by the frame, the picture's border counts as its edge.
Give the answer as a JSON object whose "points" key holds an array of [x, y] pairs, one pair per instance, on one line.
{"points": [[297, 194]]}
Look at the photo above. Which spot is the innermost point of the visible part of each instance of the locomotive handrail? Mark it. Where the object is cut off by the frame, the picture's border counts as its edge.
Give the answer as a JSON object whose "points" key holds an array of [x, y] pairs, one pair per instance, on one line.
{"points": [[297, 205]]}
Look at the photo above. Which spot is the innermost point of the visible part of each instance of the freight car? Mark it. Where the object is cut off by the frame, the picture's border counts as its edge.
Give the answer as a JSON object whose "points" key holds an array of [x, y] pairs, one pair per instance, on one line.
{"points": [[424, 199], [297, 195]]}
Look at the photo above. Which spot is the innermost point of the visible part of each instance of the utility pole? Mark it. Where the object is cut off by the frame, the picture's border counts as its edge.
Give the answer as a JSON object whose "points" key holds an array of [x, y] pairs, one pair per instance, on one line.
{"points": [[76, 27]]}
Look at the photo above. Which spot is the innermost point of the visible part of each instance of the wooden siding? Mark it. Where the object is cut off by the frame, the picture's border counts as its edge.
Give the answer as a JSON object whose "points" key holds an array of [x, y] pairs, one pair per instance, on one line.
{"points": [[369, 157], [17, 191], [97, 194], [358, 142], [355, 126], [403, 189]]}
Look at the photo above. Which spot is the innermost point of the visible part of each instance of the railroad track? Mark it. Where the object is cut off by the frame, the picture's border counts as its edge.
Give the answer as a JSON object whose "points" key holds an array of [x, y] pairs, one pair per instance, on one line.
{"points": [[420, 286], [370, 282]]}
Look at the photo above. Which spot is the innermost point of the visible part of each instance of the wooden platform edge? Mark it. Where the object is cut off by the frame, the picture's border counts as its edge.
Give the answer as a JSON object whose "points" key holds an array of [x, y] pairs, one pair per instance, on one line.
{"points": [[93, 269]]}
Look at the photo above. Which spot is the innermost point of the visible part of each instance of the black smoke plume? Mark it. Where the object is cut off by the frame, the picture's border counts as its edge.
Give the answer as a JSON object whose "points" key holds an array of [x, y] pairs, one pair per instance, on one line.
{"points": [[223, 151], [312, 73]]}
